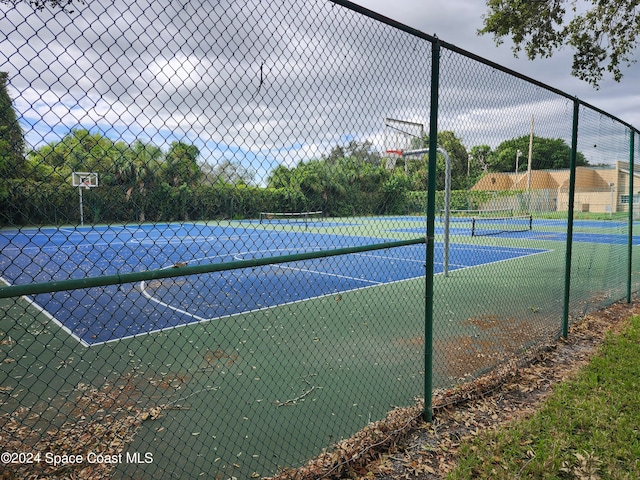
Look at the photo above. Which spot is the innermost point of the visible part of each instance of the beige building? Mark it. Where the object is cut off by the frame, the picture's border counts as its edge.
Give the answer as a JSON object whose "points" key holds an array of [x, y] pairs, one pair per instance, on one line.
{"points": [[598, 189]]}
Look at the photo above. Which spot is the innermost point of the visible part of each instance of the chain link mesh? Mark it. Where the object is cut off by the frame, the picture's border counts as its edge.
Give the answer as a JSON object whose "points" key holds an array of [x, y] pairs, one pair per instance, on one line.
{"points": [[239, 281]]}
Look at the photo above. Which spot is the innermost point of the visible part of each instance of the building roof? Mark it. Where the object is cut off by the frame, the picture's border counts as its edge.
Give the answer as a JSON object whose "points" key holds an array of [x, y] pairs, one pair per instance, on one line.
{"points": [[494, 181], [587, 178]]}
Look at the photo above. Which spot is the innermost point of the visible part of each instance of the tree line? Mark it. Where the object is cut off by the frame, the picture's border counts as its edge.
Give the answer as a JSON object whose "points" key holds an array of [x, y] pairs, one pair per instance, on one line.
{"points": [[141, 182]]}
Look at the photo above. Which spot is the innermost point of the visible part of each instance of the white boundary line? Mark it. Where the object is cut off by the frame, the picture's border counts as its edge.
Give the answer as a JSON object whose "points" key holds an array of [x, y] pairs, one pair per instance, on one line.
{"points": [[231, 315], [224, 317], [240, 254], [51, 317], [198, 318], [387, 257], [328, 274]]}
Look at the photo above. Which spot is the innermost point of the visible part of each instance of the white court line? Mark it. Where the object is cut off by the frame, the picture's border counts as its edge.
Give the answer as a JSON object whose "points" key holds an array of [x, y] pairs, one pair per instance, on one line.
{"points": [[346, 277], [467, 267], [160, 240], [231, 315], [199, 319], [386, 257], [146, 241], [244, 312], [50, 317], [166, 305]]}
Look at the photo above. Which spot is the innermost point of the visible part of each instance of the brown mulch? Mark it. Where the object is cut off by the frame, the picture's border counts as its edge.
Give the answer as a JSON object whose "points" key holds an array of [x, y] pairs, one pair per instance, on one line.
{"points": [[403, 446], [103, 420]]}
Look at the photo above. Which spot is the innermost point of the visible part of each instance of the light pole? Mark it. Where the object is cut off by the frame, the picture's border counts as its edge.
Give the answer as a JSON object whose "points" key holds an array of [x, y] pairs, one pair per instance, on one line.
{"points": [[611, 201], [518, 155]]}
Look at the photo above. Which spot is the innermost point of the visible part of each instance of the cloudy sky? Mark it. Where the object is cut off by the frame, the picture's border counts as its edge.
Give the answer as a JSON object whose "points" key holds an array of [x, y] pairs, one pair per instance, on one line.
{"points": [[457, 21], [266, 83]]}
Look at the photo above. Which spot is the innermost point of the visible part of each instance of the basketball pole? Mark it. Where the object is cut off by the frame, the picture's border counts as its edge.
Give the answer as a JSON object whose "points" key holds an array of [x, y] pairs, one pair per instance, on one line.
{"points": [[83, 180], [81, 207], [447, 196]]}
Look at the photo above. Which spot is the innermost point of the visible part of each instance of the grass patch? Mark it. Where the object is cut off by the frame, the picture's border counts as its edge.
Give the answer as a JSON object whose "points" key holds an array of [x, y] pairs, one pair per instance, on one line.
{"points": [[589, 428]]}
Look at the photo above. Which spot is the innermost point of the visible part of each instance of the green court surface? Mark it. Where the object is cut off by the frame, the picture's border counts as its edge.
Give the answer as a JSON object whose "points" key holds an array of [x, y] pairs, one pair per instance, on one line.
{"points": [[297, 377]]}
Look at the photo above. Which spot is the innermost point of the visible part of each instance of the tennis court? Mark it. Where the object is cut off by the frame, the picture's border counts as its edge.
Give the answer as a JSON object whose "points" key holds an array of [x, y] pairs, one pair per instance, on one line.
{"points": [[256, 353], [103, 314], [529, 229]]}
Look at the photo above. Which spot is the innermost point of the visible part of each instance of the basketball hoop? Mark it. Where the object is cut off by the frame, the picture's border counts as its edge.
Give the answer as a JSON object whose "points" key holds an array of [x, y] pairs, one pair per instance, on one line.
{"points": [[400, 136], [392, 157], [394, 152], [84, 180]]}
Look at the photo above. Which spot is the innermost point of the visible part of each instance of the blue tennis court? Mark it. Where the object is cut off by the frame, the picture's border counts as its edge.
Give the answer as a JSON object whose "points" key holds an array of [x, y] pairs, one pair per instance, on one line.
{"points": [[98, 315], [545, 229]]}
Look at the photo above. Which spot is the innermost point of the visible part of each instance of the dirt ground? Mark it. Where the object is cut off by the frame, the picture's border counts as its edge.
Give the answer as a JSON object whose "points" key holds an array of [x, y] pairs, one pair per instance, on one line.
{"points": [[402, 446]]}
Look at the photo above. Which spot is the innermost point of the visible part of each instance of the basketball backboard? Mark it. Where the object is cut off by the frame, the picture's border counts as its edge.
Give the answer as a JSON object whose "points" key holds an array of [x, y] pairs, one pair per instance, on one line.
{"points": [[400, 136], [84, 179]]}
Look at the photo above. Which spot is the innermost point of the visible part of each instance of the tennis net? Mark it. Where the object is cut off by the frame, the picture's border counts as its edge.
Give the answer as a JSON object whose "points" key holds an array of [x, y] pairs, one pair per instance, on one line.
{"points": [[496, 225], [467, 215], [289, 217]]}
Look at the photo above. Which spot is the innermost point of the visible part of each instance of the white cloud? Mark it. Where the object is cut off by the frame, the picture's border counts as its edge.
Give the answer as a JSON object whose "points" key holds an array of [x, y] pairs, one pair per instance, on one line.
{"points": [[276, 82], [457, 21]]}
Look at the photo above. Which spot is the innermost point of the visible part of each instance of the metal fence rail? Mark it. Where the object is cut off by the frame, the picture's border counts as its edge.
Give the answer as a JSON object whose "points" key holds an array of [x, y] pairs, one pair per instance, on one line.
{"points": [[235, 233]]}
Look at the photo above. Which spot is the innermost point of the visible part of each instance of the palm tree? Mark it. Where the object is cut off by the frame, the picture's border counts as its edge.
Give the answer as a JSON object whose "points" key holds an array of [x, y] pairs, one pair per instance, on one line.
{"points": [[142, 173]]}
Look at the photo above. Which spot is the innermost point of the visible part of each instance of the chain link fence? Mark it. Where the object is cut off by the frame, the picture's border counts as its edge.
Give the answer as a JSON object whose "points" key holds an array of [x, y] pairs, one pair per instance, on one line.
{"points": [[216, 221]]}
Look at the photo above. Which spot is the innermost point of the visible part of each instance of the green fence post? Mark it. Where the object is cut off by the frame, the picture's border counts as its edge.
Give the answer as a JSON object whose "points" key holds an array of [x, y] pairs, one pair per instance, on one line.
{"points": [[431, 214], [630, 230], [569, 244]]}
